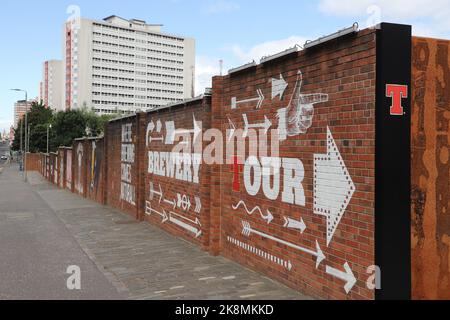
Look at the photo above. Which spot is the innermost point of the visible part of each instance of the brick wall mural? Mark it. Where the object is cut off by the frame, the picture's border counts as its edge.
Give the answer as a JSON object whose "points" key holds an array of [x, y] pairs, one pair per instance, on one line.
{"points": [[303, 214], [295, 167], [177, 182], [62, 166], [121, 152], [79, 177], [68, 169]]}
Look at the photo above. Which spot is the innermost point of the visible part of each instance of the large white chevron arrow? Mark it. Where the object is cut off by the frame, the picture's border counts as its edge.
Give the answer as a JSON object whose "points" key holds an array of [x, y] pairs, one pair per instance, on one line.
{"points": [[278, 87], [172, 132], [264, 125], [333, 186], [346, 276], [247, 231], [260, 99], [294, 224]]}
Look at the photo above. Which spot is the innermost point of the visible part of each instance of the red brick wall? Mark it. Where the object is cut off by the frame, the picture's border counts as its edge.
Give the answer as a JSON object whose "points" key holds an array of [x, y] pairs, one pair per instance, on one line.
{"points": [[33, 162], [345, 71], [47, 167], [69, 168], [62, 168], [121, 144], [54, 160], [326, 168], [178, 204]]}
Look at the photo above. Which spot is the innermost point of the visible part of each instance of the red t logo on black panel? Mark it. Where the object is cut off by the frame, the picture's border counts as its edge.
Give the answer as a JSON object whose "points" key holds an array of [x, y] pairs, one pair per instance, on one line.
{"points": [[397, 92]]}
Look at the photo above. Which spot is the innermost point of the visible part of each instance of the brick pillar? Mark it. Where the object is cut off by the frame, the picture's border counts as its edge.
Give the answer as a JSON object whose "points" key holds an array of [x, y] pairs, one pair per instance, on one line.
{"points": [[105, 164], [74, 158], [85, 174], [141, 119], [215, 245]]}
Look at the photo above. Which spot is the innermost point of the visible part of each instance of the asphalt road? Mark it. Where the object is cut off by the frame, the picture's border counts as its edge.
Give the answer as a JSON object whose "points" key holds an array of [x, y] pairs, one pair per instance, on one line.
{"points": [[4, 149]]}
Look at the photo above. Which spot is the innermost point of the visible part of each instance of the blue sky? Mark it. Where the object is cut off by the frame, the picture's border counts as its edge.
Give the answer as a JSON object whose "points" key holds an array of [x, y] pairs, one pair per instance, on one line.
{"points": [[236, 31]]}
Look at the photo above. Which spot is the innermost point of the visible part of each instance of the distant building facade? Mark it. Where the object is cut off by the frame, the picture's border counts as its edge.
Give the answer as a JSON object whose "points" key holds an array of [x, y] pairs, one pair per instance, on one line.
{"points": [[20, 108], [52, 85], [121, 66]]}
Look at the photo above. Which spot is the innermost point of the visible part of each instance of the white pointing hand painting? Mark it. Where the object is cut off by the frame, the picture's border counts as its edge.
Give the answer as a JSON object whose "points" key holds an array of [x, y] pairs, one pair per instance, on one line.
{"points": [[298, 116]]}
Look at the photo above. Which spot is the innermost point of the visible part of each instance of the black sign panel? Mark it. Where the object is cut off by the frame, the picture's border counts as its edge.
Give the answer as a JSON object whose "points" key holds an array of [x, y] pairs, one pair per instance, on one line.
{"points": [[393, 164]]}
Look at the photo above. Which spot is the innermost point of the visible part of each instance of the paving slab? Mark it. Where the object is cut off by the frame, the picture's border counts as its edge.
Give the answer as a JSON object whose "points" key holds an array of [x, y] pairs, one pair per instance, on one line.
{"points": [[141, 261]]}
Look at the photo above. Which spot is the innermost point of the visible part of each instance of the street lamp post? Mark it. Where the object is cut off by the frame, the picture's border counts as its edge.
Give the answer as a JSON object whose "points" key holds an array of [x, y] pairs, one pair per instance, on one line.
{"points": [[48, 132], [24, 157]]}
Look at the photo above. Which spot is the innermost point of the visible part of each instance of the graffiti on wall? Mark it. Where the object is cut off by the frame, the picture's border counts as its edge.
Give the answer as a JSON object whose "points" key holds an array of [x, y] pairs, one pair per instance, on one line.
{"points": [[180, 209], [96, 163], [61, 170], [69, 169], [127, 189], [79, 162], [55, 175], [283, 179]]}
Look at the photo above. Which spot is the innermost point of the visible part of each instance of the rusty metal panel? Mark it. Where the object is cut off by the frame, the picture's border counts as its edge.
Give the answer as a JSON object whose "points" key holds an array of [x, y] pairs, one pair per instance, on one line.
{"points": [[430, 169]]}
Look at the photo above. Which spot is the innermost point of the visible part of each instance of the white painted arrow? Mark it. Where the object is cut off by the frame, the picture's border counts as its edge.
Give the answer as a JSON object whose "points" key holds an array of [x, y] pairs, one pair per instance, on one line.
{"points": [[265, 125], [260, 99], [149, 211], [172, 132], [247, 231], [198, 205], [294, 224], [181, 224], [184, 202], [150, 128], [346, 276], [153, 192], [172, 203], [269, 217], [279, 86], [196, 221], [333, 186]]}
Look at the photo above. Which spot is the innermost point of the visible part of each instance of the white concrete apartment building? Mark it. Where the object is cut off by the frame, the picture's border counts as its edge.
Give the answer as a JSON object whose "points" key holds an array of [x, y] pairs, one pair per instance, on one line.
{"points": [[52, 85], [121, 66]]}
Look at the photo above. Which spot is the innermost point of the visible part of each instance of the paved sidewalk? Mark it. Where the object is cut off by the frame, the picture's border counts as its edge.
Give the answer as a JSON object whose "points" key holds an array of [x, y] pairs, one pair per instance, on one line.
{"points": [[144, 262], [36, 249]]}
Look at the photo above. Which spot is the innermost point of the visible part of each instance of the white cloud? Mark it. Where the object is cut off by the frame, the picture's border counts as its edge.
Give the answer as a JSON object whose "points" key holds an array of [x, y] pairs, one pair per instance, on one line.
{"points": [[222, 6], [206, 68], [266, 48], [430, 17]]}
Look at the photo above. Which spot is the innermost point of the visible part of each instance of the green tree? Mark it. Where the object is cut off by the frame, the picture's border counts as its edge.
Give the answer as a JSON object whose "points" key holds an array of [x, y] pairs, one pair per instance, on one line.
{"points": [[39, 116], [66, 126]]}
